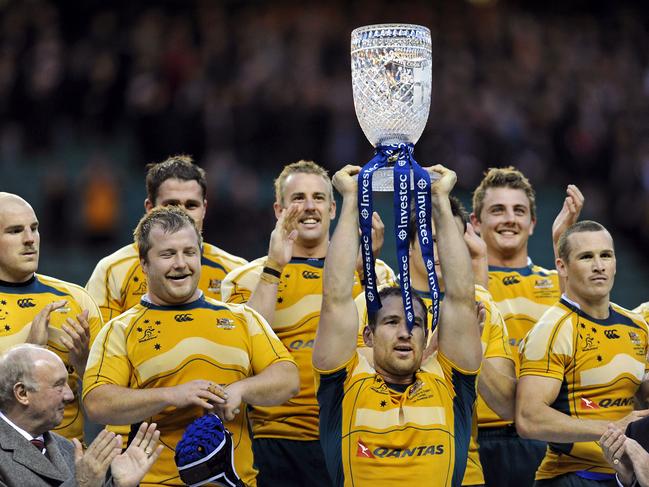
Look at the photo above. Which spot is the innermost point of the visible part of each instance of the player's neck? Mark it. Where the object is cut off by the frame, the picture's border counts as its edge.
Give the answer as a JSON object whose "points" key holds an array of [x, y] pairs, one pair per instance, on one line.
{"points": [[404, 380], [514, 260], [152, 298], [419, 280], [596, 308], [16, 280], [310, 250]]}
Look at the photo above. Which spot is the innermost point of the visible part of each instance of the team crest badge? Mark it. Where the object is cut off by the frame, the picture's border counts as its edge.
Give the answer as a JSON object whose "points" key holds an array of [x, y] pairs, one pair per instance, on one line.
{"points": [[225, 323], [635, 338], [543, 284]]}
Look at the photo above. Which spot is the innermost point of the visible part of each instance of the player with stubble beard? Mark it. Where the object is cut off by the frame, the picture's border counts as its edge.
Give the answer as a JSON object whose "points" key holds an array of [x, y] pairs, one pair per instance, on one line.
{"points": [[286, 288]]}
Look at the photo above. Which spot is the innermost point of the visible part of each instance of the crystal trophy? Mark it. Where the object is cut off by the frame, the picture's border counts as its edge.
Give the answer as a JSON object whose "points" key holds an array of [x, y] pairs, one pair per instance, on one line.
{"points": [[391, 82]]}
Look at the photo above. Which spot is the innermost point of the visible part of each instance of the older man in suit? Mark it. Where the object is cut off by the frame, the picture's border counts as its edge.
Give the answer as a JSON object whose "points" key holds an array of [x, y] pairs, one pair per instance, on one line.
{"points": [[33, 393]]}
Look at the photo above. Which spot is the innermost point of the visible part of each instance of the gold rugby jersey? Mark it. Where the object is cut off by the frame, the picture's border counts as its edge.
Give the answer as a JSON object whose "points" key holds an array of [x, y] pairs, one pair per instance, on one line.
{"points": [[152, 346], [297, 315], [118, 282], [495, 343], [21, 302], [522, 295], [377, 434], [600, 363]]}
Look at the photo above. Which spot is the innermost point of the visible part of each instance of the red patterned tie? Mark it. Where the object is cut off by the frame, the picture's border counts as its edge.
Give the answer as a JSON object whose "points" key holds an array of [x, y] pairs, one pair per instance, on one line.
{"points": [[38, 443]]}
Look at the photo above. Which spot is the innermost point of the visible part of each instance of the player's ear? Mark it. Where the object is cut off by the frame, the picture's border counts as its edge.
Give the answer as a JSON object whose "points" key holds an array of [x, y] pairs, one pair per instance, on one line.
{"points": [[278, 208], [144, 265], [20, 393], [368, 336], [332, 209], [148, 205], [475, 221], [561, 267]]}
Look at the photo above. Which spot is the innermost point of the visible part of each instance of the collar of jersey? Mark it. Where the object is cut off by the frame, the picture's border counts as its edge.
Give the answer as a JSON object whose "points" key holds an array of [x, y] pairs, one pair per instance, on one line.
{"points": [[426, 294], [198, 303], [312, 261], [613, 317], [28, 282], [33, 285], [523, 271]]}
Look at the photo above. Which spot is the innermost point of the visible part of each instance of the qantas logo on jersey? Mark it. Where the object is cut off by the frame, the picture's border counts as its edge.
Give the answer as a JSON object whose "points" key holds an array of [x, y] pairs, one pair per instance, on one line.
{"points": [[363, 451], [26, 303], [509, 280], [310, 275], [588, 404], [416, 451], [300, 344], [614, 402]]}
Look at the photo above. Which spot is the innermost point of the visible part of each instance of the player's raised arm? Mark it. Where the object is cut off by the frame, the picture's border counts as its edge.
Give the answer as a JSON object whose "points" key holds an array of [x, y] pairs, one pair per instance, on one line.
{"points": [[459, 334], [335, 341], [568, 215]]}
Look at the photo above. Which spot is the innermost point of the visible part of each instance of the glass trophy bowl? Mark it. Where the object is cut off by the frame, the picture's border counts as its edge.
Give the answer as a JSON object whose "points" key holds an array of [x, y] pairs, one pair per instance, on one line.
{"points": [[391, 82]]}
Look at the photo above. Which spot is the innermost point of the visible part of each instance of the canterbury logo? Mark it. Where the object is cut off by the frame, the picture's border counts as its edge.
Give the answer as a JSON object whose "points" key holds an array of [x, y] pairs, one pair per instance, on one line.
{"points": [[26, 303], [509, 280], [310, 275], [183, 318], [611, 334]]}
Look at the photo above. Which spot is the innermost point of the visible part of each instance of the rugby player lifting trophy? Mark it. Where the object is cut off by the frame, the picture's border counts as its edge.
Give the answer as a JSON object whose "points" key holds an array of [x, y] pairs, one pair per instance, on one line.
{"points": [[391, 81]]}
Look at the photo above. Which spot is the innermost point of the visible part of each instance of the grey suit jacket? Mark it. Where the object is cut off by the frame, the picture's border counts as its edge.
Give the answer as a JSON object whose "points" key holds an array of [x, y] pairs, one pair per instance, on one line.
{"points": [[22, 465]]}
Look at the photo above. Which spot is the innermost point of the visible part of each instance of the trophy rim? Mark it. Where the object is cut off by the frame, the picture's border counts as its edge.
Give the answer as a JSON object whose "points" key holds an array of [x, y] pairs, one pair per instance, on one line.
{"points": [[393, 25]]}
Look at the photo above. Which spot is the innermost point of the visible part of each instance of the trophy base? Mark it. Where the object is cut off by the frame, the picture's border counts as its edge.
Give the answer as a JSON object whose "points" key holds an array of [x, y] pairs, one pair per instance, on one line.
{"points": [[383, 180]]}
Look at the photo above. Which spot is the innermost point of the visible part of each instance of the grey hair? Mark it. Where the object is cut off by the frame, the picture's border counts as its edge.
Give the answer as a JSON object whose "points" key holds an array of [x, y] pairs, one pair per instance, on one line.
{"points": [[16, 365]]}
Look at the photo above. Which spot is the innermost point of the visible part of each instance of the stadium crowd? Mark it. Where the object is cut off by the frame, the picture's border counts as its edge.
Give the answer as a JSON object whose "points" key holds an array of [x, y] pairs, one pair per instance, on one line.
{"points": [[560, 91]]}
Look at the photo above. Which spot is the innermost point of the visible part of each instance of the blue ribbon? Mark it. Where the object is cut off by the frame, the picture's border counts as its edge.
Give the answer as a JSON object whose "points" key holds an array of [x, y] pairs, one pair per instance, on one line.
{"points": [[401, 155]]}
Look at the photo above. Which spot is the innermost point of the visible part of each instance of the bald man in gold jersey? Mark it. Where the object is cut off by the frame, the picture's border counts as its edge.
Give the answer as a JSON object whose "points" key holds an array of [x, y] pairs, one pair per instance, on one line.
{"points": [[43, 310]]}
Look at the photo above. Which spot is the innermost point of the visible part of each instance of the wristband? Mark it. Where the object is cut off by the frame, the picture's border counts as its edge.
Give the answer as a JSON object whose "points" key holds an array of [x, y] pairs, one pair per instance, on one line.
{"points": [[274, 265], [269, 278]]}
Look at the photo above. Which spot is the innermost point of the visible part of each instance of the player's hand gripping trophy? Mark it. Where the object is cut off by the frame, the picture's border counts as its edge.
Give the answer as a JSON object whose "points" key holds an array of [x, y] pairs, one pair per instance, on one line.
{"points": [[391, 80]]}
